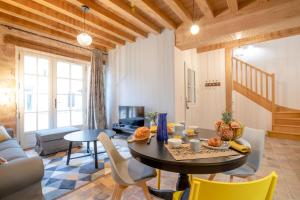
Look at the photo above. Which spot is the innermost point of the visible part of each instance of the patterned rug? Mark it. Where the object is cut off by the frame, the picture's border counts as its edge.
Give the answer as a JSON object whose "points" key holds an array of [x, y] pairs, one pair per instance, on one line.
{"points": [[60, 179]]}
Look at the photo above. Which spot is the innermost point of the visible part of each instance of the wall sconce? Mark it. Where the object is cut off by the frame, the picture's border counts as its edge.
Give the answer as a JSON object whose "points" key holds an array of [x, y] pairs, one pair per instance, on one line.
{"points": [[5, 96], [212, 83]]}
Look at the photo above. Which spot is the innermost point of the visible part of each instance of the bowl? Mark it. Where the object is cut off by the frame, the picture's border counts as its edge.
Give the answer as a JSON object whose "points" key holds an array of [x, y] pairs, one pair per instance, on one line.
{"points": [[195, 128], [174, 143]]}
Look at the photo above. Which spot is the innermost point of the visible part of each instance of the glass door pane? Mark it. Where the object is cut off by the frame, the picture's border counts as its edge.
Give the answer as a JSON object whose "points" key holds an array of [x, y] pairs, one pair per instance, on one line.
{"points": [[36, 93], [69, 83]]}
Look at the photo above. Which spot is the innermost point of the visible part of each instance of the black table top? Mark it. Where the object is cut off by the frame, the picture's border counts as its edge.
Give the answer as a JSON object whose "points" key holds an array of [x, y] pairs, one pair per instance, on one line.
{"points": [[88, 135], [157, 155]]}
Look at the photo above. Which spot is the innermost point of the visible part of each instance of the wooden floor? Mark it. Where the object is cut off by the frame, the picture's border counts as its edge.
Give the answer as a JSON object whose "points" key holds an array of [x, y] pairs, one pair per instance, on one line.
{"points": [[281, 155]]}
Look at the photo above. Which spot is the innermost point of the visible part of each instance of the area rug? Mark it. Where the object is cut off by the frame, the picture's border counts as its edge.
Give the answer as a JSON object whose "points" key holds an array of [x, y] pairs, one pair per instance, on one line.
{"points": [[60, 179]]}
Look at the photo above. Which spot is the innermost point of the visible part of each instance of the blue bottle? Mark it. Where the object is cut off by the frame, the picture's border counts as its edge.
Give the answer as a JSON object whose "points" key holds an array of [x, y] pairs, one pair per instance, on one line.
{"points": [[162, 130]]}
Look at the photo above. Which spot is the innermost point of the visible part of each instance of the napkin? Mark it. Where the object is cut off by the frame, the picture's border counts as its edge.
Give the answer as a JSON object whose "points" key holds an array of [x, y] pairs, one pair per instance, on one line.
{"points": [[239, 147]]}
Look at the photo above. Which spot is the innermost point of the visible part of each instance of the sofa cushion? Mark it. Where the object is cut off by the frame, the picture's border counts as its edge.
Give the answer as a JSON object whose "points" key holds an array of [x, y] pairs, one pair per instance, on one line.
{"points": [[3, 134], [54, 134], [11, 143], [12, 153]]}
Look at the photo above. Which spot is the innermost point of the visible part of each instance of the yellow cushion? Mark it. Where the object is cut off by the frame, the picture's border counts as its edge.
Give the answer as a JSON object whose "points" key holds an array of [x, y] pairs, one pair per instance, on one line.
{"points": [[3, 134], [239, 147]]}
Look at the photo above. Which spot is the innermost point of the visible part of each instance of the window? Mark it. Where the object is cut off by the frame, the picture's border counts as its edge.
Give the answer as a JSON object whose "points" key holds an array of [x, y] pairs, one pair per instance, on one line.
{"points": [[191, 86], [36, 93], [69, 94], [52, 93]]}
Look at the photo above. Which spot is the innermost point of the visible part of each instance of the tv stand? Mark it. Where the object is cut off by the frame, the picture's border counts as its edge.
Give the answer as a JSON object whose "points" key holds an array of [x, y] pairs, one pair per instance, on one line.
{"points": [[124, 128]]}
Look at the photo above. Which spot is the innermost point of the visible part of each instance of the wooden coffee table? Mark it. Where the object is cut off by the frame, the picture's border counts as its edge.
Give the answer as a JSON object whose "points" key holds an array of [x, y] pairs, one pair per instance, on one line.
{"points": [[89, 135]]}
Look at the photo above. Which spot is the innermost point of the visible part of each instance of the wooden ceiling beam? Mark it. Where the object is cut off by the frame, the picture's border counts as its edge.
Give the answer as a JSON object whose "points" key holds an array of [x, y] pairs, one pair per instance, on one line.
{"points": [[179, 10], [21, 42], [48, 13], [75, 12], [99, 10], [251, 40], [205, 8], [25, 15], [255, 19], [233, 5], [263, 1], [33, 27], [135, 14], [159, 14]]}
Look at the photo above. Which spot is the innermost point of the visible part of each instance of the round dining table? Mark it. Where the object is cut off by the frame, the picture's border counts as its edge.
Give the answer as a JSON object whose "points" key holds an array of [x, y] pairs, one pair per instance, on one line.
{"points": [[156, 155]]}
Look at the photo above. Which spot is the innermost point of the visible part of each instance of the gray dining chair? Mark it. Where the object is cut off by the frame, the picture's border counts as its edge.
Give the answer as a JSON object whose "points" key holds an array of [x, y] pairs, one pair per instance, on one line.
{"points": [[126, 172], [256, 139]]}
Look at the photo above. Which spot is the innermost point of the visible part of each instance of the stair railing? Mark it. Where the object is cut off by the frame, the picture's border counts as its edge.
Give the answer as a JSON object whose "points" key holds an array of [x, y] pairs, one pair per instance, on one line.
{"points": [[249, 78]]}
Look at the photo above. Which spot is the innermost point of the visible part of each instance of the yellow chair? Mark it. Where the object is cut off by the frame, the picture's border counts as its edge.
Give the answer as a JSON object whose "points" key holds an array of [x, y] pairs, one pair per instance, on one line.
{"points": [[158, 172], [261, 189]]}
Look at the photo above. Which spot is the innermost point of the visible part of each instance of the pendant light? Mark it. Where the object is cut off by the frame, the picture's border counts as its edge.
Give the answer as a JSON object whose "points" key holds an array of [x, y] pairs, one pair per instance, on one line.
{"points": [[84, 39], [194, 28]]}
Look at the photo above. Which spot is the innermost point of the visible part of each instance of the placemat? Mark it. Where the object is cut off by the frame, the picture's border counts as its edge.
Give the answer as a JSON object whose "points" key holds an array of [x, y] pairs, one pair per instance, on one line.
{"points": [[185, 153]]}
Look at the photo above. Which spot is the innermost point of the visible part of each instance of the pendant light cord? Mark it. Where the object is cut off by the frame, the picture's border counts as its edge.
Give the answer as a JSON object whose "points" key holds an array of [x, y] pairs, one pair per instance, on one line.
{"points": [[84, 20], [193, 11]]}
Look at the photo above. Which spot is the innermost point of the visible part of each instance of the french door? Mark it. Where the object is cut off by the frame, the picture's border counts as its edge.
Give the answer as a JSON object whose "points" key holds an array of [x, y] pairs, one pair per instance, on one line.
{"points": [[52, 93]]}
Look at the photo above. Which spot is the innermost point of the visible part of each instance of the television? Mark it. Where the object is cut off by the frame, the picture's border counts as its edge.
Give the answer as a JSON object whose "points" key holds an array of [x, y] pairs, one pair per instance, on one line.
{"points": [[131, 115]]}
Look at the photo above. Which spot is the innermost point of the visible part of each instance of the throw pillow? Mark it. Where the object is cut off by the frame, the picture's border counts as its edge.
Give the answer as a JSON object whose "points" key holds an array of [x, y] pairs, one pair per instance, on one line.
{"points": [[2, 161], [3, 134]]}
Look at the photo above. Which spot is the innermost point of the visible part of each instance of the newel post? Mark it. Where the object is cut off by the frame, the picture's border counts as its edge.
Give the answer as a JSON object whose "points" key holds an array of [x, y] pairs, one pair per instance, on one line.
{"points": [[228, 78]]}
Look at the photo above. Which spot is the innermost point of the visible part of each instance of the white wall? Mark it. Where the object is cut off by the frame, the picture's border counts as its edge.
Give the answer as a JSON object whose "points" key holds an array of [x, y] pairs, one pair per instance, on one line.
{"points": [[150, 72], [250, 113], [142, 74], [211, 101], [281, 57]]}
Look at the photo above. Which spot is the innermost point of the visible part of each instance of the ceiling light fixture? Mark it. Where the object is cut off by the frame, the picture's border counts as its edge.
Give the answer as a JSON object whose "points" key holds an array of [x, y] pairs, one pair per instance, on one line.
{"points": [[84, 39], [195, 27]]}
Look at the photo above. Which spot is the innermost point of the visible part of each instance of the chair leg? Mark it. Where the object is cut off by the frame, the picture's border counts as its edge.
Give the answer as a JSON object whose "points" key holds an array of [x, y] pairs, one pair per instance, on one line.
{"points": [[211, 177], [118, 190], [231, 178], [158, 178], [191, 178], [143, 185]]}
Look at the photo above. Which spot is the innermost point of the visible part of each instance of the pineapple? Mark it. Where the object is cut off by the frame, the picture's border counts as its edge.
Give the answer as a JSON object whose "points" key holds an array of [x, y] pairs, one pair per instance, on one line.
{"points": [[227, 117]]}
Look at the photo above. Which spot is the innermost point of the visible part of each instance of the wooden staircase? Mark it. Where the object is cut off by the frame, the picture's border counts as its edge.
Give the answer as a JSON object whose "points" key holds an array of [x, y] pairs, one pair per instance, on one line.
{"points": [[259, 86]]}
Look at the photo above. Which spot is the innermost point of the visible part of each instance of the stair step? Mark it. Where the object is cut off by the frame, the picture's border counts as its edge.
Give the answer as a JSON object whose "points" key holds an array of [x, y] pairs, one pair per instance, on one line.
{"points": [[285, 109], [287, 121], [284, 135], [289, 114], [286, 128]]}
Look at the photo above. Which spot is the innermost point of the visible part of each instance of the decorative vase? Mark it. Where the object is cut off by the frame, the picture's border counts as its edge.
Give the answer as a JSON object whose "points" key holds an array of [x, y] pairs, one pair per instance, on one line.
{"points": [[152, 123], [162, 129]]}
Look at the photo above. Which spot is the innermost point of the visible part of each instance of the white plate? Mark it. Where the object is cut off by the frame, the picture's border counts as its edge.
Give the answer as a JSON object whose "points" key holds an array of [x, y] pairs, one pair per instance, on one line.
{"points": [[224, 146]]}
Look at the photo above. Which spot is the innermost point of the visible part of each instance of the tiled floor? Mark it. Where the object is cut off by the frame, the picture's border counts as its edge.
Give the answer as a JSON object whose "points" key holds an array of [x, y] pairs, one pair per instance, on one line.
{"points": [[283, 156]]}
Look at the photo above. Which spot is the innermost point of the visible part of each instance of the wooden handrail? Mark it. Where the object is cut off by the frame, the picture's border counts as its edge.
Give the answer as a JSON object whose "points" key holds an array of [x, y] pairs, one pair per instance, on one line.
{"points": [[238, 60], [265, 81]]}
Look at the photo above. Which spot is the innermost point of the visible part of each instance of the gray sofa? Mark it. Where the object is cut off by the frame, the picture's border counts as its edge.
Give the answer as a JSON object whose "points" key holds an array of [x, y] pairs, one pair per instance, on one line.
{"points": [[20, 177]]}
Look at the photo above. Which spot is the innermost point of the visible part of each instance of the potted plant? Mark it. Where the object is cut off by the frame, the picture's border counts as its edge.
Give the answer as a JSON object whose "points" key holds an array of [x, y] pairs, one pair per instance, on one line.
{"points": [[228, 128], [152, 117]]}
